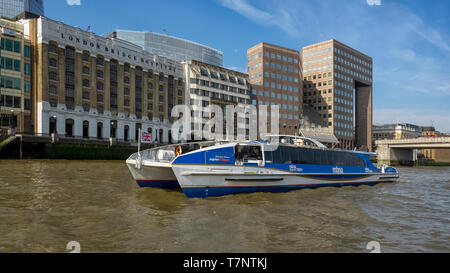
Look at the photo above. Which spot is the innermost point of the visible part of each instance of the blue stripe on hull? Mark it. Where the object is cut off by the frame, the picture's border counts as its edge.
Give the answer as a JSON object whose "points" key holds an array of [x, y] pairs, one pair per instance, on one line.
{"points": [[220, 191], [164, 184]]}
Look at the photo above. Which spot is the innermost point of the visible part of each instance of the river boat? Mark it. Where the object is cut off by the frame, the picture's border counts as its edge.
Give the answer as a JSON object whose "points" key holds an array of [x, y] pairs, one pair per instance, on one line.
{"points": [[277, 164]]}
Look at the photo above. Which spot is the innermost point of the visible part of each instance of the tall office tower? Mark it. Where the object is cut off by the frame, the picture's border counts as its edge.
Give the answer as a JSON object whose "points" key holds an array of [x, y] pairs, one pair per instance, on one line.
{"points": [[337, 86], [85, 85], [12, 8], [275, 76], [174, 48]]}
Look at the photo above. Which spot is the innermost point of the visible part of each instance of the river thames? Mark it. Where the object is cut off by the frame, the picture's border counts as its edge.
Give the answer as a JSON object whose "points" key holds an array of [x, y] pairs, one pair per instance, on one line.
{"points": [[44, 204]]}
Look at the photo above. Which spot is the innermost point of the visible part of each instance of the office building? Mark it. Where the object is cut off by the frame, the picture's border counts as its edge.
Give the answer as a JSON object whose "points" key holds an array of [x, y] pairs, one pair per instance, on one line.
{"points": [[210, 85], [171, 47], [85, 85], [275, 78], [12, 8], [15, 78], [337, 86]]}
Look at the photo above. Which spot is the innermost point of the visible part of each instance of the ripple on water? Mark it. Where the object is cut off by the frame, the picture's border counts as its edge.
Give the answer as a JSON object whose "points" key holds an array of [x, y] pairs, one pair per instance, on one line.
{"points": [[45, 204]]}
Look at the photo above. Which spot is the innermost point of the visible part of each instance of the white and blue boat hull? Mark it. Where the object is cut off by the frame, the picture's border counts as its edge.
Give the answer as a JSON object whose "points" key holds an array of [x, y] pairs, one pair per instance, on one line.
{"points": [[201, 182]]}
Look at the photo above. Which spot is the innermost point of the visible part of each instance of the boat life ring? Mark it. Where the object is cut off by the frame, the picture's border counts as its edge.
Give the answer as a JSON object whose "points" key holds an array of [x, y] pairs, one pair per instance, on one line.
{"points": [[178, 150]]}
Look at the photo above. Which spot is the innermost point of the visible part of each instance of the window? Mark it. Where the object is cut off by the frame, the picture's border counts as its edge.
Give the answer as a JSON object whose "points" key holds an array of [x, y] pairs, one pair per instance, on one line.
{"points": [[17, 46], [52, 89], [126, 91], [86, 107], [99, 98], [100, 86], [27, 51], [8, 82], [52, 76], [85, 70], [85, 95], [85, 57], [86, 83], [27, 104], [52, 102], [27, 69], [100, 61], [126, 102], [27, 86], [161, 88], [150, 86], [99, 74], [52, 48], [126, 80], [52, 62]]}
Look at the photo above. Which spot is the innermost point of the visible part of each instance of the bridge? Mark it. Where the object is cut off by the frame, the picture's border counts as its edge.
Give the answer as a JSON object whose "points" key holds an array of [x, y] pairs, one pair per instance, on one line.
{"points": [[405, 150]]}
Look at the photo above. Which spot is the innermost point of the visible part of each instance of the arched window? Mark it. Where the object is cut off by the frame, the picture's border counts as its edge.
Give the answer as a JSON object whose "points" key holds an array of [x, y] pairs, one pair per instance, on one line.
{"points": [[52, 48], [52, 76], [85, 129], [52, 89], [86, 83], [161, 132], [86, 57], [99, 130], [69, 127], [52, 62], [100, 86], [52, 125], [85, 70], [126, 131]]}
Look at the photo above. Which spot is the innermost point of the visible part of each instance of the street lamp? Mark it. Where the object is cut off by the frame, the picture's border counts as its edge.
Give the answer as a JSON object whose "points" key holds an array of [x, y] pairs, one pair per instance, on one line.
{"points": [[11, 119]]}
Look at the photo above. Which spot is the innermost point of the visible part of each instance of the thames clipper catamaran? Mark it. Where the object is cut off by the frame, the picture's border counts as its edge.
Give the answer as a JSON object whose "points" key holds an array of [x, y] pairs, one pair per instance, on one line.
{"points": [[292, 163]]}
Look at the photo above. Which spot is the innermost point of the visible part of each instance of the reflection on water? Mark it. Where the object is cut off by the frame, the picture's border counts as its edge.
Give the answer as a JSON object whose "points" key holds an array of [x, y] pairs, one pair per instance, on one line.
{"points": [[46, 204]]}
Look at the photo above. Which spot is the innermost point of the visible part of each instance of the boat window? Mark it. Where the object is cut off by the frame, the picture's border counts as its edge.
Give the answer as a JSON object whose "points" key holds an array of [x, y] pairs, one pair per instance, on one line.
{"points": [[248, 153], [295, 155]]}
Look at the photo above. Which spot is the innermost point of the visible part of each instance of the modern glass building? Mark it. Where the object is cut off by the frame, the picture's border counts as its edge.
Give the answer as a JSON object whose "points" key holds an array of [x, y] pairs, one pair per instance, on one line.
{"points": [[12, 8], [171, 47]]}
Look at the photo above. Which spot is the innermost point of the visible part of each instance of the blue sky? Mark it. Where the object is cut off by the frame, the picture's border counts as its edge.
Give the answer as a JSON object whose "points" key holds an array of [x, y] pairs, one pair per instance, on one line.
{"points": [[409, 40]]}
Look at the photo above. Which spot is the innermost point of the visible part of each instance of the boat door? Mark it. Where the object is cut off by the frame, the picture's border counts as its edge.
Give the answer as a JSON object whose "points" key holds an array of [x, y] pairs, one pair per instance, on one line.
{"points": [[249, 155]]}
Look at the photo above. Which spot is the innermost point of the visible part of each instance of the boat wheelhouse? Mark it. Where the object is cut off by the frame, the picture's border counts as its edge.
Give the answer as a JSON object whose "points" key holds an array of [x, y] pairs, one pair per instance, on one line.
{"points": [[286, 164]]}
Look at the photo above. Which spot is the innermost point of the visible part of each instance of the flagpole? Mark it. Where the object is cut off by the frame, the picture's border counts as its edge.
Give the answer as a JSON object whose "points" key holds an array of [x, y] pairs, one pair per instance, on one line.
{"points": [[139, 142]]}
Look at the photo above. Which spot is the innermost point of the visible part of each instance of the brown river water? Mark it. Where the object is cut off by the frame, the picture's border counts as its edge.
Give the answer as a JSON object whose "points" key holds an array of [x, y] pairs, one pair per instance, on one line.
{"points": [[44, 204]]}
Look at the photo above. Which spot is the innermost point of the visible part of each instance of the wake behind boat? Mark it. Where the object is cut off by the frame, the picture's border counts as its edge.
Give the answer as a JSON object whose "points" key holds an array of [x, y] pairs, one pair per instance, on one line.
{"points": [[297, 162]]}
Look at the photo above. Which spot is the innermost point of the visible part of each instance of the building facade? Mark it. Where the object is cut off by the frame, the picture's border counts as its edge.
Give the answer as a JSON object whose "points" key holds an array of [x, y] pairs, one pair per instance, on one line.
{"points": [[171, 47], [275, 77], [85, 85], [15, 78], [210, 85], [437, 155], [337, 86], [395, 131], [12, 8]]}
